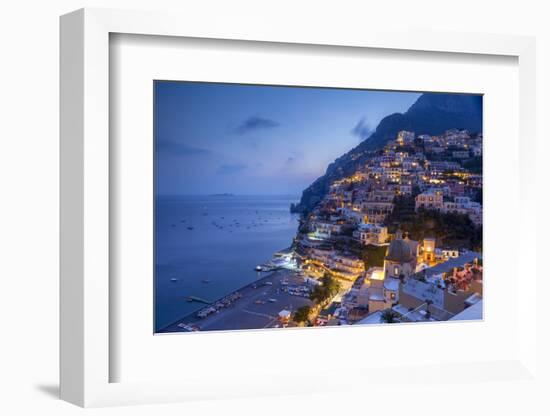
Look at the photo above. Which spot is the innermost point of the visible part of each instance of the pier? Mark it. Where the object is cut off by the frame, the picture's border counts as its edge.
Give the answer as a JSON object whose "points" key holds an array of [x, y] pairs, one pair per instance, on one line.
{"points": [[200, 300], [257, 307]]}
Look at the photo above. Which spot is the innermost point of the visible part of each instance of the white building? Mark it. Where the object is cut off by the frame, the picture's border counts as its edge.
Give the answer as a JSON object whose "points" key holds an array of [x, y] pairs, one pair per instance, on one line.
{"points": [[352, 214], [378, 292], [326, 229], [346, 263], [463, 205], [371, 234]]}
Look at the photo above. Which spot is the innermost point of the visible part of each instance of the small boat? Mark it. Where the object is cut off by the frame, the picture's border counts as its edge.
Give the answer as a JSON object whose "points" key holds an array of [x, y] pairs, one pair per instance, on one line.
{"points": [[173, 279], [206, 280], [258, 268]]}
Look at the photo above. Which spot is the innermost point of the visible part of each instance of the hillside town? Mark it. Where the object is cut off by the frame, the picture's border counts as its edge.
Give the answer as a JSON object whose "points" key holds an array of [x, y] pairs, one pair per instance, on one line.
{"points": [[401, 237], [399, 240]]}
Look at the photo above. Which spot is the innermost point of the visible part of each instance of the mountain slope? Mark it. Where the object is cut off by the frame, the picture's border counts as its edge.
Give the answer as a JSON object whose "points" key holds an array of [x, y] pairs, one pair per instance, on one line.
{"points": [[432, 114]]}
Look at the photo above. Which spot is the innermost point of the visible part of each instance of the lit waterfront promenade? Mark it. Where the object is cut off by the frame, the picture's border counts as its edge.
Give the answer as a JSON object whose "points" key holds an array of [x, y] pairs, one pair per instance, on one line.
{"points": [[258, 308]]}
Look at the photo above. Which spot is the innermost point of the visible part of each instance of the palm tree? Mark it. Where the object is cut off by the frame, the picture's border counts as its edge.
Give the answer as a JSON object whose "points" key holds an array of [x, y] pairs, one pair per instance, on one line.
{"points": [[388, 317], [428, 313], [302, 314]]}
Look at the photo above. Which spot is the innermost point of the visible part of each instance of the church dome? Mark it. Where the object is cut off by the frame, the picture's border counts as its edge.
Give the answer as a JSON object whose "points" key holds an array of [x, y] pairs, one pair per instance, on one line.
{"points": [[399, 251]]}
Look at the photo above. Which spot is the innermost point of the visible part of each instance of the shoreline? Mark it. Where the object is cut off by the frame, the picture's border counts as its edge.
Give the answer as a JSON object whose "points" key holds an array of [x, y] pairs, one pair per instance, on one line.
{"points": [[260, 301], [193, 315], [237, 224]]}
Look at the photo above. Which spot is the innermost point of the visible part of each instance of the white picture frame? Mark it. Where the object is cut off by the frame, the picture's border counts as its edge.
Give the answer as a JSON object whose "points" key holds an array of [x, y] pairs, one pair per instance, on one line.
{"points": [[86, 355]]}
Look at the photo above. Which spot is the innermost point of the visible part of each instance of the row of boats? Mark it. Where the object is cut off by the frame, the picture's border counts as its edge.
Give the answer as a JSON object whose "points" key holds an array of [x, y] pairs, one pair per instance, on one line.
{"points": [[175, 279], [220, 304]]}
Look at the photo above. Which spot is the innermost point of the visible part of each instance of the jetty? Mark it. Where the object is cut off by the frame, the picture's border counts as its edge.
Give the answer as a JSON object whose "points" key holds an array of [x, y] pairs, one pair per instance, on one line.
{"points": [[198, 299]]}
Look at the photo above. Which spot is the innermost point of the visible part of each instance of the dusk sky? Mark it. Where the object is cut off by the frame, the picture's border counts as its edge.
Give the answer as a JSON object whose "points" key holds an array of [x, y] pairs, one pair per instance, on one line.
{"points": [[258, 140]]}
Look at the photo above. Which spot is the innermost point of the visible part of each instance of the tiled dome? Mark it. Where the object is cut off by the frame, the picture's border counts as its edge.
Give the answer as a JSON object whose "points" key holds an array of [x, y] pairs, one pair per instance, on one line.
{"points": [[399, 251]]}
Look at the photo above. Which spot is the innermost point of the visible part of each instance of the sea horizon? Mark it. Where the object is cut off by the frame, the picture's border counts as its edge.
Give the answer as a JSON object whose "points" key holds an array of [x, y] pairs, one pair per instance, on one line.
{"points": [[229, 194]]}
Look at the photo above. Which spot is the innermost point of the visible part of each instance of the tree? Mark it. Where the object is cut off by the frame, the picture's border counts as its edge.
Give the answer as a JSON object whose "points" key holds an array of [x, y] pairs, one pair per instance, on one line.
{"points": [[373, 256], [449, 228], [428, 312], [388, 317], [302, 314], [328, 288]]}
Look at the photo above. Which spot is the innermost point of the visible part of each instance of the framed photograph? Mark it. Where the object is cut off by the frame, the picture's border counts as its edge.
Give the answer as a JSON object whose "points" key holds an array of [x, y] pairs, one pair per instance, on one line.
{"points": [[257, 226], [244, 210]]}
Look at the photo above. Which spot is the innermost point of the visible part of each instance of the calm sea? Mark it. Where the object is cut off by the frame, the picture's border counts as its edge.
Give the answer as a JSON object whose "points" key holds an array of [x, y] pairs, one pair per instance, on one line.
{"points": [[211, 245]]}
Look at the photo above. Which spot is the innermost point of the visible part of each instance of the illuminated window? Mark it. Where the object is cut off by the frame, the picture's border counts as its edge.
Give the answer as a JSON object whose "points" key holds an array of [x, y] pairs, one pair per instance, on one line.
{"points": [[396, 270]]}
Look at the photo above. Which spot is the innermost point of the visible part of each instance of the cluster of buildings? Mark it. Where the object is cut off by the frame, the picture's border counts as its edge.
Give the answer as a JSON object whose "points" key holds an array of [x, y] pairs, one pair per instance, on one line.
{"points": [[417, 283], [426, 293], [433, 199], [418, 280], [459, 143], [324, 258]]}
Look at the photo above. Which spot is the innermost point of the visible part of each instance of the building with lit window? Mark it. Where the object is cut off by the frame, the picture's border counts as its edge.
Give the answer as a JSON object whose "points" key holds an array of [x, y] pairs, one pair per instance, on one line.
{"points": [[428, 251], [405, 137], [430, 199], [371, 234]]}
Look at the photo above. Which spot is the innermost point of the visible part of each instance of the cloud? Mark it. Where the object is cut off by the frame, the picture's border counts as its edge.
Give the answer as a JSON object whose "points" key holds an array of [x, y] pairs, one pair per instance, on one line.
{"points": [[231, 169], [255, 123], [294, 157], [362, 129], [180, 149]]}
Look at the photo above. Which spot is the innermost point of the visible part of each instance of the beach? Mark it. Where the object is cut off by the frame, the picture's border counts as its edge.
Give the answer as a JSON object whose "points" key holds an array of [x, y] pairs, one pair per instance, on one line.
{"points": [[258, 307]]}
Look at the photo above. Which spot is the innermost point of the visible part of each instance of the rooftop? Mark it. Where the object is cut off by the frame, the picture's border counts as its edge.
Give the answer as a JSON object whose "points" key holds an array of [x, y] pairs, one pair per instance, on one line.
{"points": [[373, 318], [466, 257], [474, 312], [423, 291], [399, 251], [391, 284]]}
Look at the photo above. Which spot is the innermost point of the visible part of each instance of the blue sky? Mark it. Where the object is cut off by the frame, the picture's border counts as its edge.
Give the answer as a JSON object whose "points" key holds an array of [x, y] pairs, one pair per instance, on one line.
{"points": [[251, 139]]}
